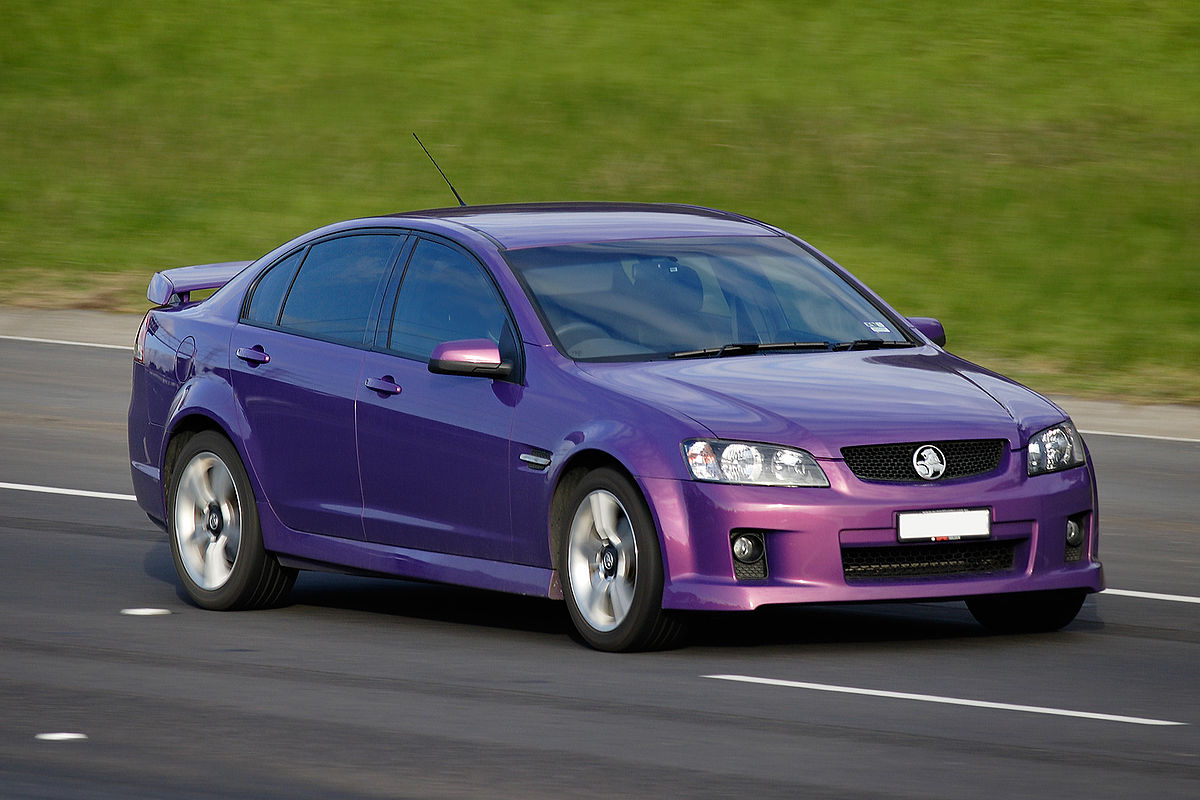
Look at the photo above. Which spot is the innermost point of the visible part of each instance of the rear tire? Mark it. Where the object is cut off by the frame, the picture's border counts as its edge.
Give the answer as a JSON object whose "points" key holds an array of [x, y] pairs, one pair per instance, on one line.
{"points": [[212, 524], [611, 567], [1027, 612]]}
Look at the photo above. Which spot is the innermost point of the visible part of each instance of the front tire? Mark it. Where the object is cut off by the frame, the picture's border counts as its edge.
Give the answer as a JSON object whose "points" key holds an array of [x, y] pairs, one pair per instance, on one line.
{"points": [[611, 567], [1027, 612], [212, 523]]}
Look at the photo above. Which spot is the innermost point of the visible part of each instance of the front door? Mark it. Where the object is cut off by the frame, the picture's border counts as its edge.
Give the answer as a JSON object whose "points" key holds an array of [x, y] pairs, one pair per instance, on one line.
{"points": [[433, 449]]}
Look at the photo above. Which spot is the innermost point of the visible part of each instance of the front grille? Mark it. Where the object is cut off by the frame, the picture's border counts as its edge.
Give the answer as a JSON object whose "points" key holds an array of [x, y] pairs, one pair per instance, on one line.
{"points": [[866, 564], [893, 463], [1074, 554]]}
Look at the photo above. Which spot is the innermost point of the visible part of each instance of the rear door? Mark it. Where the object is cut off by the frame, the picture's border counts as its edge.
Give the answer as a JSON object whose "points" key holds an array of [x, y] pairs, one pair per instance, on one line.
{"points": [[434, 449], [297, 358]]}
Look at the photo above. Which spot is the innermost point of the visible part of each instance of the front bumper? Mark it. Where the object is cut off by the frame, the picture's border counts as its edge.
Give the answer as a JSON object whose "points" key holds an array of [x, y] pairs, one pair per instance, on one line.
{"points": [[815, 537]]}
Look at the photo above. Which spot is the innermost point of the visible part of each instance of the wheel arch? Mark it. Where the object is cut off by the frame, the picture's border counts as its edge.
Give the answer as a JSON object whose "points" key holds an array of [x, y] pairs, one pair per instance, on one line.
{"points": [[204, 403], [180, 433]]}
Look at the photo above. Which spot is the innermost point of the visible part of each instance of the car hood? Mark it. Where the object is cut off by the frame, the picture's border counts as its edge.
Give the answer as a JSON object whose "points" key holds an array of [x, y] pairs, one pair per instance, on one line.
{"points": [[825, 401]]}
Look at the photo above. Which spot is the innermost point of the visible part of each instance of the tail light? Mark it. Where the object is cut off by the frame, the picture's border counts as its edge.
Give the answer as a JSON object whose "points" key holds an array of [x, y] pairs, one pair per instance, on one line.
{"points": [[139, 346]]}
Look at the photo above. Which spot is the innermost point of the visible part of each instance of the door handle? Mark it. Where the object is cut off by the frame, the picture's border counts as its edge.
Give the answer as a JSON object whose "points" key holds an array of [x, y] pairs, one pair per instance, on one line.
{"points": [[385, 385], [253, 355]]}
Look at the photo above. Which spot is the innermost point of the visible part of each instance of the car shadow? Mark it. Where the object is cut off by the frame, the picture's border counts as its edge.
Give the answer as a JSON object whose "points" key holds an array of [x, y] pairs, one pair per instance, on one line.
{"points": [[771, 626], [158, 564], [429, 601], [880, 623], [816, 624]]}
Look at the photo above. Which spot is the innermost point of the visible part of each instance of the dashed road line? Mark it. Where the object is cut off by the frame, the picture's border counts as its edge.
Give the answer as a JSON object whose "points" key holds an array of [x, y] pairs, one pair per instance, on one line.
{"points": [[61, 737], [67, 342], [145, 612], [955, 701], [24, 487], [1173, 598]]}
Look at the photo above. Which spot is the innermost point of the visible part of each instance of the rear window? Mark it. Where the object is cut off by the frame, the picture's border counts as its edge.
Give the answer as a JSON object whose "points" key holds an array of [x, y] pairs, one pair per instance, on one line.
{"points": [[336, 287], [268, 294]]}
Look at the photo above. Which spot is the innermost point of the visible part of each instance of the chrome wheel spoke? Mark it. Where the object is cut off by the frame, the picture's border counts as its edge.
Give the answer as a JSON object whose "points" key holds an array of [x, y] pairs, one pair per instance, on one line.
{"points": [[232, 539], [192, 489], [197, 541], [623, 541], [220, 483], [207, 521], [620, 595], [595, 578], [599, 607], [191, 550], [216, 568], [602, 560], [607, 514]]}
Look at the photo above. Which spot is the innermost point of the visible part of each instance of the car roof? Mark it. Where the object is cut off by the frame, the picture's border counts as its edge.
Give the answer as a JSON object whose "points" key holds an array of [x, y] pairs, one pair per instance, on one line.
{"points": [[521, 225]]}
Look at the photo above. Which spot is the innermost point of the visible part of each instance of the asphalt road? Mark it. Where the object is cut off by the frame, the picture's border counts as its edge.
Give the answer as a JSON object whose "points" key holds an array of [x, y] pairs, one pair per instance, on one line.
{"points": [[372, 688]]}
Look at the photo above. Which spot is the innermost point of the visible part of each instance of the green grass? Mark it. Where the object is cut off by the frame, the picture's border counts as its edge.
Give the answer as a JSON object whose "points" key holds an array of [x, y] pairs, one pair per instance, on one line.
{"points": [[1029, 173]]}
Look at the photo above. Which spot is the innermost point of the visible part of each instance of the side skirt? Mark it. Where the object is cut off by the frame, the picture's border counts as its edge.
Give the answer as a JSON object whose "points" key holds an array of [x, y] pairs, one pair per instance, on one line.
{"points": [[312, 551]]}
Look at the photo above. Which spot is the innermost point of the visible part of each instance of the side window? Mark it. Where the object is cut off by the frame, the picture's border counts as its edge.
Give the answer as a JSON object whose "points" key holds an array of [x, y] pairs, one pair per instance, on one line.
{"points": [[270, 289], [444, 297], [332, 295]]}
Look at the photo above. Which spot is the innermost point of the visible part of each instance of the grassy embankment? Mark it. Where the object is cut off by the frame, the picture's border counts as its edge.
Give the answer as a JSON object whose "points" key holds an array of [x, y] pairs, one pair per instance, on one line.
{"points": [[1031, 176]]}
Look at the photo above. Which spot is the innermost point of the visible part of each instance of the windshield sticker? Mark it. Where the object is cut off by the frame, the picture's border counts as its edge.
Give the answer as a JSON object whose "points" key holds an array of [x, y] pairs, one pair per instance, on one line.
{"points": [[878, 327]]}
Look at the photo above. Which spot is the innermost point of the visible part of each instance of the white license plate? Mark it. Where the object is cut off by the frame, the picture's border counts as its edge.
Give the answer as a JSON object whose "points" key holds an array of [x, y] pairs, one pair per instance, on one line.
{"points": [[949, 525]]}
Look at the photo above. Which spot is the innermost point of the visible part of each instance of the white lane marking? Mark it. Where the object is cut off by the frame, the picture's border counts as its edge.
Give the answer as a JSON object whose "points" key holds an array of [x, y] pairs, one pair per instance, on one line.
{"points": [[24, 487], [1142, 436], [1173, 598], [60, 737], [954, 701], [64, 341], [145, 612]]}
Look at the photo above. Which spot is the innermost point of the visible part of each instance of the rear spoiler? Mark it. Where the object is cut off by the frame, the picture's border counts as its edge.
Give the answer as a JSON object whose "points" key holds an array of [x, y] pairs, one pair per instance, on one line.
{"points": [[172, 287]]}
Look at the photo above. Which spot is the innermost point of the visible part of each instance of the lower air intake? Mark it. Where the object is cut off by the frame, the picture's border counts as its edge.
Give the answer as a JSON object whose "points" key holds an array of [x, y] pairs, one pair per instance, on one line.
{"points": [[867, 564]]}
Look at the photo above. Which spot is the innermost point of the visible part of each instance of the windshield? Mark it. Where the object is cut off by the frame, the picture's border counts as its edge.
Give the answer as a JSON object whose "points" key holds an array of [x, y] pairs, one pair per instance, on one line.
{"points": [[696, 297]]}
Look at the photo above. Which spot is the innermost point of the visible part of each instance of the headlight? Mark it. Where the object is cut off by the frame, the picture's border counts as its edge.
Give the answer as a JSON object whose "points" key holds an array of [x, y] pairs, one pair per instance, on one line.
{"points": [[1053, 449], [748, 462]]}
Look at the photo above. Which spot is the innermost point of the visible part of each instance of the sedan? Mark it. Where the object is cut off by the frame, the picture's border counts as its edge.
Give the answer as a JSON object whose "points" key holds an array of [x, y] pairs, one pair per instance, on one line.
{"points": [[641, 410]]}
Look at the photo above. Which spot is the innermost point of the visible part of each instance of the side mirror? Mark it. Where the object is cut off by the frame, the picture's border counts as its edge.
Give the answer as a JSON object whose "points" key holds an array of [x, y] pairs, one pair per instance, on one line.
{"points": [[480, 357], [930, 328]]}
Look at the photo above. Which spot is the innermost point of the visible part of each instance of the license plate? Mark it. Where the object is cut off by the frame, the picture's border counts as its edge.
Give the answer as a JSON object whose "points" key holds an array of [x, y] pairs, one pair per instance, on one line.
{"points": [[944, 526]]}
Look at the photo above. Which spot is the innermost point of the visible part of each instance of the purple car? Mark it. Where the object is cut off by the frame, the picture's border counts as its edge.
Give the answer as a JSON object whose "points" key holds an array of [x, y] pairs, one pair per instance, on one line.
{"points": [[643, 410]]}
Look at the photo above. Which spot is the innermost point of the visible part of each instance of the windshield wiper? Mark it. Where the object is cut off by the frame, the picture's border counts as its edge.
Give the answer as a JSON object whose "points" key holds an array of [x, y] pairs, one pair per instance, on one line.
{"points": [[870, 344], [794, 346], [735, 349], [748, 348]]}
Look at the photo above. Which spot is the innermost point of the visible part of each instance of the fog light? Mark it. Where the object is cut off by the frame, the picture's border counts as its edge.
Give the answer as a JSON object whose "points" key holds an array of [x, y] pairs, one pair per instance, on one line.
{"points": [[747, 547], [1074, 533]]}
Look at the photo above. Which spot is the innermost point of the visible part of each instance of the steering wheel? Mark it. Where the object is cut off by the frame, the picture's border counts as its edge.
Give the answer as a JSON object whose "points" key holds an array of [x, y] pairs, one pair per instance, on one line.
{"points": [[574, 333]]}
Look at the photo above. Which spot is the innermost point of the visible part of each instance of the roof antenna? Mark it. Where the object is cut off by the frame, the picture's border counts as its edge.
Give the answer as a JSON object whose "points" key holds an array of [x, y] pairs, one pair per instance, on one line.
{"points": [[457, 196]]}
